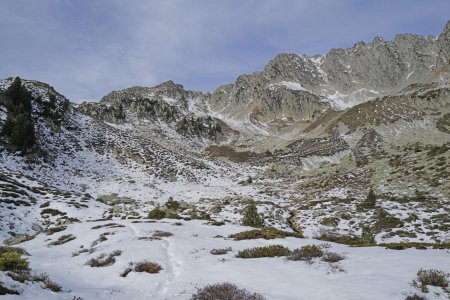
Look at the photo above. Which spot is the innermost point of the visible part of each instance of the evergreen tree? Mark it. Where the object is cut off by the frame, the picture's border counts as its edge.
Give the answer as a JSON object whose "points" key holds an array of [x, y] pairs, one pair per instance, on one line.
{"points": [[367, 236], [251, 216], [19, 126], [371, 198]]}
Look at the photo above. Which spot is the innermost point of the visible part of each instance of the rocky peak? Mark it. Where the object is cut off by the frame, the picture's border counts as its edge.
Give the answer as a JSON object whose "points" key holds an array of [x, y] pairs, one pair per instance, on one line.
{"points": [[443, 42]]}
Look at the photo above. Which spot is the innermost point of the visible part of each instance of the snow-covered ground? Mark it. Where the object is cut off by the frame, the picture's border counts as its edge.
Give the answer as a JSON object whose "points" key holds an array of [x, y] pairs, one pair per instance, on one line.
{"points": [[365, 273]]}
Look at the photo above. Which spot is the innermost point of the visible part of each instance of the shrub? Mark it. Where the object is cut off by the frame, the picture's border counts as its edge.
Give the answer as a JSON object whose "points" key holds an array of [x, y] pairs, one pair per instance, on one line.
{"points": [[52, 212], [24, 275], [5, 249], [125, 272], [63, 239], [251, 216], [225, 291], [147, 266], [6, 291], [267, 233], [306, 253], [108, 225], [385, 221], [330, 221], [220, 251], [332, 257], [415, 297], [104, 260], [431, 277], [371, 199], [47, 283], [367, 237], [267, 251], [53, 230], [157, 213], [159, 234], [172, 204], [13, 261]]}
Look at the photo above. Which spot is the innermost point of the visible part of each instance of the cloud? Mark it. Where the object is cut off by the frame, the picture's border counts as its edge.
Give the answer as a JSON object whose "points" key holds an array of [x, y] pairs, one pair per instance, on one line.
{"points": [[87, 48]]}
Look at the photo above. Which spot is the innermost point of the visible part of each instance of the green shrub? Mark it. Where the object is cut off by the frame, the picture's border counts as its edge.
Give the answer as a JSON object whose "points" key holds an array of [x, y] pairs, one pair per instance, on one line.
{"points": [[251, 216], [431, 277], [13, 261], [306, 253], [266, 233], [225, 291], [367, 237], [371, 199], [172, 204], [157, 213], [267, 251]]}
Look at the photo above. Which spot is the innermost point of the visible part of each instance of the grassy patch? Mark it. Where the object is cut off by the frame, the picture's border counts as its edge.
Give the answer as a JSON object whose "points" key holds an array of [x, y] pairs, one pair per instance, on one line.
{"points": [[267, 233], [267, 251], [222, 291], [431, 277], [306, 253]]}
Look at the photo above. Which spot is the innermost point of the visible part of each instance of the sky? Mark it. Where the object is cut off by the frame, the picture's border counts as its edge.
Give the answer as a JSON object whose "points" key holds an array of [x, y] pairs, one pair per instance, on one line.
{"points": [[87, 48]]}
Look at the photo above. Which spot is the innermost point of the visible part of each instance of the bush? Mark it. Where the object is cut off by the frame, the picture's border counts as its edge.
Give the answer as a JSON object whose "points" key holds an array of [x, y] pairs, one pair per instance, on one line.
{"points": [[251, 216], [6, 291], [47, 283], [332, 257], [159, 234], [13, 261], [104, 260], [367, 237], [306, 253], [415, 297], [385, 221], [147, 266], [371, 199], [157, 214], [172, 204], [225, 291], [25, 275], [63, 239], [330, 236], [220, 251], [267, 233], [56, 229], [267, 251], [125, 272], [431, 277]]}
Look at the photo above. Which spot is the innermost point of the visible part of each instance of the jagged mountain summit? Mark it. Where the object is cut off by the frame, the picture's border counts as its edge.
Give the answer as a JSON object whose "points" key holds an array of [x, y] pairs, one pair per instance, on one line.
{"points": [[349, 148]]}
